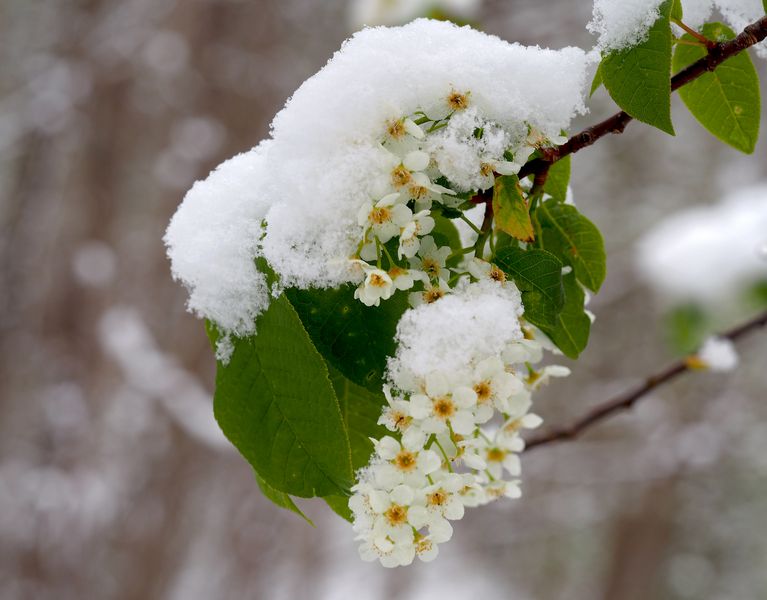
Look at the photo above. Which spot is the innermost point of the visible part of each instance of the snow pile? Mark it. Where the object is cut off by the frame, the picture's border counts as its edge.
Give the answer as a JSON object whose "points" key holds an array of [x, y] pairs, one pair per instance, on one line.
{"points": [[623, 23], [213, 239], [477, 320], [340, 144], [708, 254], [399, 12]]}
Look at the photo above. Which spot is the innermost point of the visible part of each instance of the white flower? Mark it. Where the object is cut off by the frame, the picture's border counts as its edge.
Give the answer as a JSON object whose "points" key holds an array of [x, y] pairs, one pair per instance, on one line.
{"points": [[481, 269], [498, 489], [500, 456], [431, 293], [397, 129], [440, 499], [494, 386], [540, 378], [396, 416], [442, 406], [431, 258], [522, 351], [404, 462], [386, 218], [377, 286], [404, 279], [519, 418], [425, 192], [409, 241], [393, 547]]}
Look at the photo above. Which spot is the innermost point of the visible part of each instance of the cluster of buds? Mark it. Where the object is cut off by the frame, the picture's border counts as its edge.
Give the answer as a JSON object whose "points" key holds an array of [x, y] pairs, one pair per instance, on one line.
{"points": [[454, 442]]}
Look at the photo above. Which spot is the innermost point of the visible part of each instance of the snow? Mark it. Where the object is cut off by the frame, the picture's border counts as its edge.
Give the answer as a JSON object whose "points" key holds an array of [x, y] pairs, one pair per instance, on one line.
{"points": [[478, 320], [326, 160], [719, 354], [213, 239], [708, 254], [623, 23]]}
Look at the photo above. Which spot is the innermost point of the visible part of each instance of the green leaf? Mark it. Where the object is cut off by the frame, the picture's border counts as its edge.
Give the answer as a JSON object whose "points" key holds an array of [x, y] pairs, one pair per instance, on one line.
{"points": [[726, 102], [538, 275], [765, 5], [639, 78], [676, 10], [281, 499], [573, 239], [354, 338], [360, 409], [597, 81], [275, 403], [687, 326], [511, 212], [446, 234], [558, 179], [571, 331], [340, 506]]}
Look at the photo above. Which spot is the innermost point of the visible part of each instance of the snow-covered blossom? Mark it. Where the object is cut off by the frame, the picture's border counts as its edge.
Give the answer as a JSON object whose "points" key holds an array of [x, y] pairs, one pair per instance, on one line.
{"points": [[717, 354], [366, 153], [445, 451]]}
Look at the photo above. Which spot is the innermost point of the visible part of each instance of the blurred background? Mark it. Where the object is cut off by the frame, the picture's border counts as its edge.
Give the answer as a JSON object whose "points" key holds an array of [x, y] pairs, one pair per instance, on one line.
{"points": [[114, 480]]}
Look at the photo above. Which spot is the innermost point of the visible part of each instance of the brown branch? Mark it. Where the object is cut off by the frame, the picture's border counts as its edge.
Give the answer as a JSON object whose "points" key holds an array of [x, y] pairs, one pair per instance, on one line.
{"points": [[627, 400], [717, 54]]}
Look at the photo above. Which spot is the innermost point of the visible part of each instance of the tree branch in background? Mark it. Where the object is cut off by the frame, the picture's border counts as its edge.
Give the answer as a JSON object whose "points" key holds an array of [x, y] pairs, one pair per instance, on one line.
{"points": [[627, 400], [717, 54]]}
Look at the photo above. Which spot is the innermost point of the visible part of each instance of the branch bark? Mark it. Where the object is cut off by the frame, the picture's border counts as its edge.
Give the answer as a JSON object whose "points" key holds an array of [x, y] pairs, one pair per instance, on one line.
{"points": [[629, 398], [717, 54]]}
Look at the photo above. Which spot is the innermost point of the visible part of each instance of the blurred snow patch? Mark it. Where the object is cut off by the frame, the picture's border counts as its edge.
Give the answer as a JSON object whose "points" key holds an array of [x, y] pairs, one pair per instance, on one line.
{"points": [[126, 338]]}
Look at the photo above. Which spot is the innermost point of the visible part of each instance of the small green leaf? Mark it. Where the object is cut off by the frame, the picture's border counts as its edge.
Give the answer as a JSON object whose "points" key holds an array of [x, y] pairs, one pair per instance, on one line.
{"points": [[687, 326], [538, 275], [340, 506], [511, 212], [764, 2], [360, 409], [597, 81], [558, 179], [726, 102], [572, 328], [354, 338], [639, 78], [676, 10], [281, 499], [573, 239], [275, 403]]}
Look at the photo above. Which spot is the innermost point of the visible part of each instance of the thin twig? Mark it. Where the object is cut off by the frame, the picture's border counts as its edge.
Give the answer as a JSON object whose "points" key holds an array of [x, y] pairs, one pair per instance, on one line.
{"points": [[718, 53], [627, 400]]}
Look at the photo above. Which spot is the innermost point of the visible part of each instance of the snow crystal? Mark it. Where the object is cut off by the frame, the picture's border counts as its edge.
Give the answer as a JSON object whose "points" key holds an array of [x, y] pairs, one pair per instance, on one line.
{"points": [[477, 321], [213, 239], [718, 354], [326, 159], [623, 23], [708, 254]]}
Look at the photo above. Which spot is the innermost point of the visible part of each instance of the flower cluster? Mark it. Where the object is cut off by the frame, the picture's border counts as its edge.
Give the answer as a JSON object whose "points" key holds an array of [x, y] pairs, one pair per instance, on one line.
{"points": [[432, 165], [454, 442]]}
